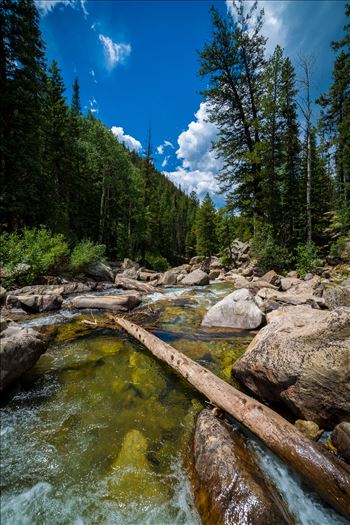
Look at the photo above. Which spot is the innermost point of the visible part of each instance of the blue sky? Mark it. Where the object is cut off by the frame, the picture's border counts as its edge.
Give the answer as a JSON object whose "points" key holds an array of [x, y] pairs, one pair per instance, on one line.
{"points": [[136, 62]]}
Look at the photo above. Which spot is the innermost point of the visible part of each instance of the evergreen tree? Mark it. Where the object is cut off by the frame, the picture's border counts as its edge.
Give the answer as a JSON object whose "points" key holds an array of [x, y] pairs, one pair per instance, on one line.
{"points": [[234, 64], [207, 243], [335, 121], [22, 91], [290, 162], [271, 143], [75, 105]]}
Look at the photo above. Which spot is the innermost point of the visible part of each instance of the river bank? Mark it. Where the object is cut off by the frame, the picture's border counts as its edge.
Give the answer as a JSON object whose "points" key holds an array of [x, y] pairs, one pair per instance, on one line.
{"points": [[65, 405]]}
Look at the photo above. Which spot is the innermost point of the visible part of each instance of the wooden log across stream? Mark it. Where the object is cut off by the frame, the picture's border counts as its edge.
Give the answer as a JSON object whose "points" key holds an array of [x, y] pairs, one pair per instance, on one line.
{"points": [[326, 474]]}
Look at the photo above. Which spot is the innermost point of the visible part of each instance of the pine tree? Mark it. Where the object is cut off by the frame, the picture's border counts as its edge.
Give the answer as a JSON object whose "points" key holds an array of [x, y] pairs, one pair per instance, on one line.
{"points": [[271, 142], [22, 92], [76, 105], [207, 243], [290, 167], [233, 62], [335, 121]]}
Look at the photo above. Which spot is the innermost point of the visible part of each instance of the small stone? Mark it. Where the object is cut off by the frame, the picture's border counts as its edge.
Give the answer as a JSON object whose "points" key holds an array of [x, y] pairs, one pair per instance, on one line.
{"points": [[341, 439], [309, 428]]}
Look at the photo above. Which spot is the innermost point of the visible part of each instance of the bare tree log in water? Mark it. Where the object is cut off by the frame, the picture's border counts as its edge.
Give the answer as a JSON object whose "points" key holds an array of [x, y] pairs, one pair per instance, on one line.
{"points": [[327, 475]]}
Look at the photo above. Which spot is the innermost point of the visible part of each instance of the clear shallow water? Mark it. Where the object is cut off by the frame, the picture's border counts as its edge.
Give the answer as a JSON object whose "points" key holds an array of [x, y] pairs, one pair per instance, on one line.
{"points": [[100, 431]]}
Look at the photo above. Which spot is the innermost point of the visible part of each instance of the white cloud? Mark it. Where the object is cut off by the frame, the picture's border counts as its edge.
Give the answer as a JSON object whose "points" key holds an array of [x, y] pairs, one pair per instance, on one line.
{"points": [[199, 165], [115, 53], [166, 144], [46, 6], [275, 26], [93, 74], [93, 105], [130, 142], [165, 162]]}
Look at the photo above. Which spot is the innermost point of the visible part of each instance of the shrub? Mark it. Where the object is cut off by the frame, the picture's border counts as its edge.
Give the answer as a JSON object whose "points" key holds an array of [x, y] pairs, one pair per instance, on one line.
{"points": [[27, 255], [157, 263], [268, 253], [84, 254], [338, 247], [307, 258]]}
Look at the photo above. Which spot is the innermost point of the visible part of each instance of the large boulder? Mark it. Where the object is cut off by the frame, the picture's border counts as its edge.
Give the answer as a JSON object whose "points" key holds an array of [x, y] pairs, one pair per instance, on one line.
{"points": [[114, 303], [169, 278], [341, 439], [100, 272], [35, 303], [269, 299], [20, 349], [335, 296], [236, 310], [301, 358], [197, 277], [127, 264], [230, 488]]}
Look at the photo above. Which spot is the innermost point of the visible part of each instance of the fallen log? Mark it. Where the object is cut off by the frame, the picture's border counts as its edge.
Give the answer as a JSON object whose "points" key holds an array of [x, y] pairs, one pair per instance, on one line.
{"points": [[131, 284], [326, 474]]}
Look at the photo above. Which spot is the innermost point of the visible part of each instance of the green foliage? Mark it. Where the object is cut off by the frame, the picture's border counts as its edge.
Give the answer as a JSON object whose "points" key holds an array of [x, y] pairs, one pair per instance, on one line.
{"points": [[156, 262], [307, 258], [337, 248], [269, 254], [84, 254], [207, 242], [38, 248]]}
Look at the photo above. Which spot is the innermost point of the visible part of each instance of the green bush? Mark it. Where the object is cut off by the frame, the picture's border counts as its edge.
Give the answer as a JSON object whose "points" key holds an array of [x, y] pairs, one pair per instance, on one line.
{"points": [[84, 254], [269, 254], [307, 258], [338, 247], [157, 263], [27, 255]]}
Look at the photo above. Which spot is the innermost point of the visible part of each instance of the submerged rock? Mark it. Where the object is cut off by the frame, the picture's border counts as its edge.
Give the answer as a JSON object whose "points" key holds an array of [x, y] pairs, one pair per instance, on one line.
{"points": [[197, 277], [132, 475], [20, 349], [301, 358], [115, 303], [236, 310], [231, 488]]}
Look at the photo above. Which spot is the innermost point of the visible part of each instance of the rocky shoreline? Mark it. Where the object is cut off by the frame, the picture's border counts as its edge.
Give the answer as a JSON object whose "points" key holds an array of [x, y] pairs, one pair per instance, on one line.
{"points": [[299, 359]]}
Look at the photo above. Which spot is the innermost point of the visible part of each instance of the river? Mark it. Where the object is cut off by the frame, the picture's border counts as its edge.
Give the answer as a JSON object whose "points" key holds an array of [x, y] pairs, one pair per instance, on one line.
{"points": [[100, 432]]}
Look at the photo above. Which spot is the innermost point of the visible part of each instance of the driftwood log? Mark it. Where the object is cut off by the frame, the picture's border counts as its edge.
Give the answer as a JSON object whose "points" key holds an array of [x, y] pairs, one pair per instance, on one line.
{"points": [[326, 474]]}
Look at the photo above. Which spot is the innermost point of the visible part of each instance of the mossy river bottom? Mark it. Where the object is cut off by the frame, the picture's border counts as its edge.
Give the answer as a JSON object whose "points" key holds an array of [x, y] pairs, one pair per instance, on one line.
{"points": [[100, 432]]}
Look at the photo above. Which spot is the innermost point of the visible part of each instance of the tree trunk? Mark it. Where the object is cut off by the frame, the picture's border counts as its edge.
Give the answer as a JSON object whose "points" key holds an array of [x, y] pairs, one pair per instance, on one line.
{"points": [[325, 474], [308, 187]]}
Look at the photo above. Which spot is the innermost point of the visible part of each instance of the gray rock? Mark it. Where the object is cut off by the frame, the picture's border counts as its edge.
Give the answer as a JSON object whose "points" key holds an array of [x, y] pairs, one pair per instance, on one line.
{"points": [[35, 303], [288, 282], [196, 278], [301, 358], [169, 277], [127, 264], [114, 303], [272, 277], [196, 260], [236, 310], [100, 272], [2, 294], [335, 296], [214, 274], [20, 349]]}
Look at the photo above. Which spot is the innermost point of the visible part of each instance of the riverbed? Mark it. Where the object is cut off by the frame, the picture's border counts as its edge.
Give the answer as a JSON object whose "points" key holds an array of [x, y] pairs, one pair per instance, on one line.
{"points": [[100, 432]]}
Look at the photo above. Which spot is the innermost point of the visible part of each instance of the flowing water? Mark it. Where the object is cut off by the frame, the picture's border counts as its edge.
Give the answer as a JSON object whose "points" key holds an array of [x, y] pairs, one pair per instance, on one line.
{"points": [[100, 432]]}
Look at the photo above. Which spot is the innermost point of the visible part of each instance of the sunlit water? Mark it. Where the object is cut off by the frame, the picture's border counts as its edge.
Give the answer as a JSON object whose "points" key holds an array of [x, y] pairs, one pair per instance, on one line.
{"points": [[100, 432]]}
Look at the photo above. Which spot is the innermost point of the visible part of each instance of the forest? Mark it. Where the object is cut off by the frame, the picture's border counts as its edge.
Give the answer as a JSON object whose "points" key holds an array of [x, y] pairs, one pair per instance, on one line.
{"points": [[285, 176]]}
